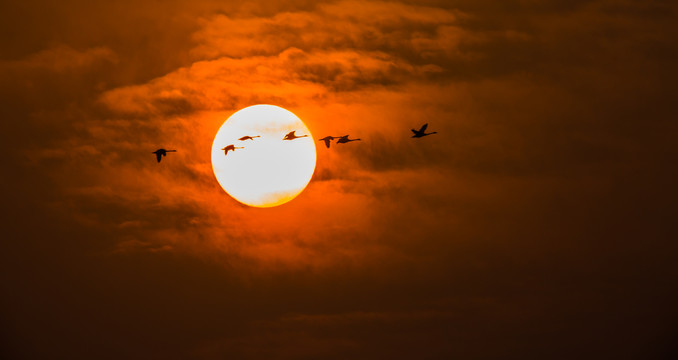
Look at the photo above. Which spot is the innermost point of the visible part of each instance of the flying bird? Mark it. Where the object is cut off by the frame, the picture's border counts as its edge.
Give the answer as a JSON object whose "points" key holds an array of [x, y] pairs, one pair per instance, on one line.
{"points": [[328, 139], [345, 139], [291, 136], [230, 147], [161, 152], [247, 137], [422, 132]]}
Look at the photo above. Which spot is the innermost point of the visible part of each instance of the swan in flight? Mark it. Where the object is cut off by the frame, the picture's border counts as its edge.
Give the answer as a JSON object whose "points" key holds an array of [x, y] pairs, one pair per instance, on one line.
{"points": [[328, 139], [345, 139], [161, 152], [291, 136], [422, 132], [247, 137], [231, 147]]}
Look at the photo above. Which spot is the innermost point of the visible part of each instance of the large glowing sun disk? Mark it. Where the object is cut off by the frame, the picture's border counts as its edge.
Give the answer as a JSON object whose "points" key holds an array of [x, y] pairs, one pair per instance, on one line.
{"points": [[268, 170]]}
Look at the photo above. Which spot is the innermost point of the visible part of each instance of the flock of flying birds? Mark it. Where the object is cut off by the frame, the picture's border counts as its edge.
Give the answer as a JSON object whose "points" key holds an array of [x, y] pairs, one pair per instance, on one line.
{"points": [[291, 136]]}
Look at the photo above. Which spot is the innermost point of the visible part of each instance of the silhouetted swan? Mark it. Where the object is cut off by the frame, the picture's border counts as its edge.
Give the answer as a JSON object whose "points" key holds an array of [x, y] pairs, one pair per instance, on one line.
{"points": [[161, 152], [421, 132], [327, 140], [345, 139], [230, 147], [291, 136], [247, 137]]}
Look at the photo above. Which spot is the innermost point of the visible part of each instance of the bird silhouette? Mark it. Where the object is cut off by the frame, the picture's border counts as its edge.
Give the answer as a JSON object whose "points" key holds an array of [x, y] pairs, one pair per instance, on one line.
{"points": [[247, 137], [422, 132], [291, 136], [344, 139], [328, 139], [161, 152], [230, 147]]}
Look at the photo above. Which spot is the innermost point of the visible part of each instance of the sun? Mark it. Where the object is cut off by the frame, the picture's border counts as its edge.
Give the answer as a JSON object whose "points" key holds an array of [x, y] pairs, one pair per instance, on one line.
{"points": [[261, 169]]}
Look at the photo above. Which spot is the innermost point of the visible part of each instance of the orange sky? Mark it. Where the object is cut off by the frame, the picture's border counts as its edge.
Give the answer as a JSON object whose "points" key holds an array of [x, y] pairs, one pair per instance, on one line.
{"points": [[535, 224]]}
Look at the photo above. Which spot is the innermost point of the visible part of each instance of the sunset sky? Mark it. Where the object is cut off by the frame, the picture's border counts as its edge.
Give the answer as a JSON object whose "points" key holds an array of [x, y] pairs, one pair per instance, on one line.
{"points": [[538, 223]]}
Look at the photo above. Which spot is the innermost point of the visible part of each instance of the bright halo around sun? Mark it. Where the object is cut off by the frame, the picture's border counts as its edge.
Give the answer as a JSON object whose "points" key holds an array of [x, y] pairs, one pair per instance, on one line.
{"points": [[266, 170]]}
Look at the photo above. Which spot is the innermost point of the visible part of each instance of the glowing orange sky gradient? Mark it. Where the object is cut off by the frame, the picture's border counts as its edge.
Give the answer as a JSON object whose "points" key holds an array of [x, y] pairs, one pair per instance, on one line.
{"points": [[535, 224]]}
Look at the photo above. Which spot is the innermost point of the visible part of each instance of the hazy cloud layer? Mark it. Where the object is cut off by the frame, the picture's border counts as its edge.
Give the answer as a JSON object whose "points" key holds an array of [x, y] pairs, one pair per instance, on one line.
{"points": [[536, 223]]}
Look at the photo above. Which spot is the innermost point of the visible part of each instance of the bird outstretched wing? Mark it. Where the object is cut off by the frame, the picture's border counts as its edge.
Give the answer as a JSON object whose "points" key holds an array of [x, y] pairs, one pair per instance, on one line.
{"points": [[158, 156], [423, 128]]}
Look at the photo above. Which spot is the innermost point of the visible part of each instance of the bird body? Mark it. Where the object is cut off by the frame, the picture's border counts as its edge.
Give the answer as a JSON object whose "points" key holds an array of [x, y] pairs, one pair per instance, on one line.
{"points": [[344, 139], [161, 152], [291, 136], [229, 148], [247, 137], [422, 132]]}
